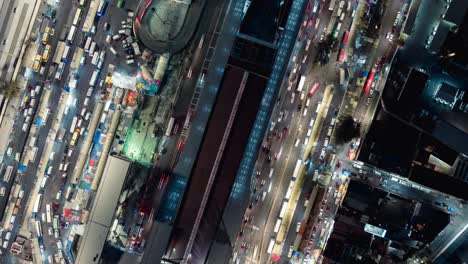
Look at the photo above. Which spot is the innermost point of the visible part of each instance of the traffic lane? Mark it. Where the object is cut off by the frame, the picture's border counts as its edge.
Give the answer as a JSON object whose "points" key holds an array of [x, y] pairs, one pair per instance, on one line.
{"points": [[263, 209], [292, 155], [283, 102], [259, 210], [27, 182]]}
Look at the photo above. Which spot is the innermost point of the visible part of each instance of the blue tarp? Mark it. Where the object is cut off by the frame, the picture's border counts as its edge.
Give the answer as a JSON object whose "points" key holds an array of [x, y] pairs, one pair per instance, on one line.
{"points": [[66, 88], [38, 121], [21, 167], [96, 136]]}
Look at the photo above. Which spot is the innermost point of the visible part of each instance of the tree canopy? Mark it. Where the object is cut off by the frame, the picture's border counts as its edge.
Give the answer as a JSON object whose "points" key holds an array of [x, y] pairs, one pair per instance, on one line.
{"points": [[8, 89]]}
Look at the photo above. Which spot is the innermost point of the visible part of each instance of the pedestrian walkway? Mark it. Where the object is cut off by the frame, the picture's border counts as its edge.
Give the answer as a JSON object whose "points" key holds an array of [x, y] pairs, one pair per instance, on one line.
{"points": [[14, 18], [9, 109]]}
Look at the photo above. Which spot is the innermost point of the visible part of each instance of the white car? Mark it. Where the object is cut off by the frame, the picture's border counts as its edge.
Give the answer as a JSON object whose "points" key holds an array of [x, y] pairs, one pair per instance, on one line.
{"points": [[389, 36]]}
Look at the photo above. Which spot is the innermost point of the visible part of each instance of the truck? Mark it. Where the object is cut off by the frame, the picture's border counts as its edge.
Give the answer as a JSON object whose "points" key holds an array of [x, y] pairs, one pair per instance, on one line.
{"points": [[58, 52], [90, 16], [75, 63]]}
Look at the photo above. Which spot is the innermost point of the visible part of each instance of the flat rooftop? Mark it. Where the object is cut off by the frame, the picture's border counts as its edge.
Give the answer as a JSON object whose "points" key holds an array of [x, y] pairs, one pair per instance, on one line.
{"points": [[102, 212]]}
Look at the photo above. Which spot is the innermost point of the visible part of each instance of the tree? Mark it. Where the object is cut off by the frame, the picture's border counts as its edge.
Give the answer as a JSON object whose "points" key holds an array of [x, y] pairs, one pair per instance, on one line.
{"points": [[347, 129], [9, 89]]}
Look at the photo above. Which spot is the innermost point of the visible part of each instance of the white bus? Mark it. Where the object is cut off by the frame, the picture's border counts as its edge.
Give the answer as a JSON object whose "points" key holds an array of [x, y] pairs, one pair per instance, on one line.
{"points": [[73, 124], [59, 72], [71, 34], [37, 203], [92, 48], [77, 17], [65, 54], [296, 169], [300, 86], [332, 5], [170, 126], [61, 134], [87, 44], [95, 59], [7, 175], [34, 153], [283, 209], [289, 191], [342, 76], [48, 214], [38, 228], [277, 225], [94, 78], [271, 245]]}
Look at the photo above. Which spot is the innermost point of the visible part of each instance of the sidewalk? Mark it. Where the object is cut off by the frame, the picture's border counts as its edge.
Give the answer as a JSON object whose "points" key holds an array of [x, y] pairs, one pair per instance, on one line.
{"points": [[8, 112]]}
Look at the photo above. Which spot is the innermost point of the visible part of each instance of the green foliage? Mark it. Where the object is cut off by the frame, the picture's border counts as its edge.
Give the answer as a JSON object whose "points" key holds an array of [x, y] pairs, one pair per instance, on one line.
{"points": [[347, 129], [9, 89]]}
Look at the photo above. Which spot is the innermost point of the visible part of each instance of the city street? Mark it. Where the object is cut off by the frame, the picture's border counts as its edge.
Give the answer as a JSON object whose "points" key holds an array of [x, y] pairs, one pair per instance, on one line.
{"points": [[262, 218]]}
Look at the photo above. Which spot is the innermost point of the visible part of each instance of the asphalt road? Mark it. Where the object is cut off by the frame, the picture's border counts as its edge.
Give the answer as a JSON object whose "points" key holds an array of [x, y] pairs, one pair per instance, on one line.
{"points": [[55, 182], [113, 16], [258, 231], [328, 74]]}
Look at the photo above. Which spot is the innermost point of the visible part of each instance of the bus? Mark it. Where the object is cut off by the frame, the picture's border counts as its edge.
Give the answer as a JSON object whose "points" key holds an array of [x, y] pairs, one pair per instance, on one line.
{"points": [[74, 137], [94, 78], [314, 88], [341, 55], [77, 17], [297, 169], [342, 76], [38, 228], [7, 175], [101, 8], [73, 124], [283, 209], [65, 54], [59, 51], [55, 223], [300, 86], [289, 191], [87, 44], [37, 203], [59, 72], [170, 125], [345, 39], [369, 80], [277, 225], [62, 134], [120, 3], [48, 214], [71, 34], [332, 5], [34, 153], [271, 245], [337, 30], [92, 48]]}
